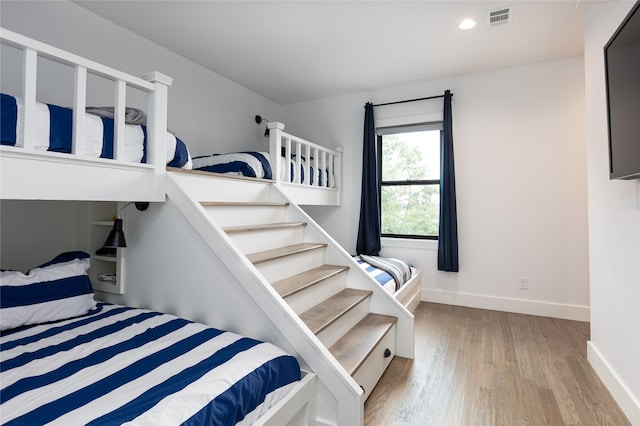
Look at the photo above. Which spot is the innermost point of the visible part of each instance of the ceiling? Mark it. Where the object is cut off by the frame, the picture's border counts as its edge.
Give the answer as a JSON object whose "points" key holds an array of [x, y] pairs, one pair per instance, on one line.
{"points": [[293, 51]]}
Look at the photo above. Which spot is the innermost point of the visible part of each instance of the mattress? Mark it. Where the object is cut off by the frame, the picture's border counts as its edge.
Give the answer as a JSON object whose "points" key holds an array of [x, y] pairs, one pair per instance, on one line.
{"points": [[390, 273], [53, 132], [258, 165], [118, 364]]}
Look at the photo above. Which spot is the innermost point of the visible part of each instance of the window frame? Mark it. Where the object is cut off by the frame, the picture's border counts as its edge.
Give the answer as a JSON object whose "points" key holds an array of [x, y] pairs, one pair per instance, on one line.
{"points": [[380, 132]]}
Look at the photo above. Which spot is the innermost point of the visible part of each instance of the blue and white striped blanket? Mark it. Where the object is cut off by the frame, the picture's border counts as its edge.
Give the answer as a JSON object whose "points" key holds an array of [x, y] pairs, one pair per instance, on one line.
{"points": [[250, 164], [119, 364], [256, 164], [389, 272], [54, 124]]}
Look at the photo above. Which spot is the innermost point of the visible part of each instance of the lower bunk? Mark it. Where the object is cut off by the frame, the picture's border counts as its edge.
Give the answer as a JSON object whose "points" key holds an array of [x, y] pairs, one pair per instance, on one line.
{"points": [[115, 364], [400, 279]]}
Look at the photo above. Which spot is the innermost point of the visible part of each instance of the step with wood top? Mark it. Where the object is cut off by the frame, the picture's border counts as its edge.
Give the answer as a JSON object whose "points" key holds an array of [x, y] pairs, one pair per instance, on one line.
{"points": [[366, 350], [282, 262], [333, 317], [265, 236], [238, 213], [302, 291]]}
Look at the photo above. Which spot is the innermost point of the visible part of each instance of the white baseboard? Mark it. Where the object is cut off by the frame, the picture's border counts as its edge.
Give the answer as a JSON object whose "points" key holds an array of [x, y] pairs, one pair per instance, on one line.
{"points": [[520, 306], [628, 403]]}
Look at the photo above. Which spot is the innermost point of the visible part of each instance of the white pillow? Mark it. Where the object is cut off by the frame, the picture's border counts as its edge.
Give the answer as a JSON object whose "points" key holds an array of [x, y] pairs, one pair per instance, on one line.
{"points": [[56, 290]]}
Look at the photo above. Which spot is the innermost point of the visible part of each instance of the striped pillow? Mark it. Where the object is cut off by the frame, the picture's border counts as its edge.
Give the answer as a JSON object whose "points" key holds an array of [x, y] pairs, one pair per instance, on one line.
{"points": [[56, 290]]}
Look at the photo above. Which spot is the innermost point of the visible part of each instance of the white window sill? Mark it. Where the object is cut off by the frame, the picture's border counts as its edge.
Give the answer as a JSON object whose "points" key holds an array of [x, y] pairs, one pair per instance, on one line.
{"points": [[409, 243]]}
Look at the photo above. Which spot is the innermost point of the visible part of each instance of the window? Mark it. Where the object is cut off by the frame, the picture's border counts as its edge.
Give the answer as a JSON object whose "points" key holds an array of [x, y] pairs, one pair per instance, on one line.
{"points": [[409, 167]]}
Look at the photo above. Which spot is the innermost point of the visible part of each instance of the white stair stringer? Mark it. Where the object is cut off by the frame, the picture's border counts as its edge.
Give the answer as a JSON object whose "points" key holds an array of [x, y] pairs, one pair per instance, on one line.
{"points": [[202, 274]]}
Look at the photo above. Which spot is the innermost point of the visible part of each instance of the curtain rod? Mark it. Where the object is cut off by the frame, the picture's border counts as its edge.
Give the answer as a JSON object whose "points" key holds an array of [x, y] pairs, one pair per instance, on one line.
{"points": [[411, 100]]}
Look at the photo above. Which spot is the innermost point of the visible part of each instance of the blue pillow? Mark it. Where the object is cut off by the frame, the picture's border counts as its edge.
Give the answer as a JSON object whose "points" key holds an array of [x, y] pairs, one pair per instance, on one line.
{"points": [[56, 290]]}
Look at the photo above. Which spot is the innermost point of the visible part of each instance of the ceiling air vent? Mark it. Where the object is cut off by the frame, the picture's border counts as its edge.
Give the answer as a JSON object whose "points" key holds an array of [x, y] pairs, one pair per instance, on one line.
{"points": [[499, 17]]}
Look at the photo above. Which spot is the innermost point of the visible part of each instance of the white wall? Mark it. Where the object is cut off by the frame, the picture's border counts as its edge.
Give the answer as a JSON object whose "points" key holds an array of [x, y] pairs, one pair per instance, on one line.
{"points": [[34, 232], [521, 180], [614, 233], [209, 112]]}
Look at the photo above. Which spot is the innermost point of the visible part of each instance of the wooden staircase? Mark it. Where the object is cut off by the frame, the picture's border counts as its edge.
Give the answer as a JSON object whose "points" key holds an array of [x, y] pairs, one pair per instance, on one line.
{"points": [[362, 341], [274, 275]]}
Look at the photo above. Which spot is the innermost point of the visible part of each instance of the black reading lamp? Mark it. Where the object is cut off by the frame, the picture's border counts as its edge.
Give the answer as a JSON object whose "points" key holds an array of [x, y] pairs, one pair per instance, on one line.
{"points": [[116, 236], [259, 120]]}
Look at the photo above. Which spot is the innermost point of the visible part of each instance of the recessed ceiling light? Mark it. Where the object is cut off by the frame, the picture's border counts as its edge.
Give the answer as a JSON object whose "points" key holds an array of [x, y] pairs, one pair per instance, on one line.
{"points": [[467, 24]]}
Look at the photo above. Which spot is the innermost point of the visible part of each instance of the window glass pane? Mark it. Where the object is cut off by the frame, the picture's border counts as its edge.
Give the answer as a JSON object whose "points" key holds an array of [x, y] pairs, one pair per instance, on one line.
{"points": [[411, 156], [410, 209]]}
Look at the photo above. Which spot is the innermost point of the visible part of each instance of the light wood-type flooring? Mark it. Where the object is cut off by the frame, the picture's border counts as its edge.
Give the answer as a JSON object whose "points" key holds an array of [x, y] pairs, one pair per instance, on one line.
{"points": [[480, 367]]}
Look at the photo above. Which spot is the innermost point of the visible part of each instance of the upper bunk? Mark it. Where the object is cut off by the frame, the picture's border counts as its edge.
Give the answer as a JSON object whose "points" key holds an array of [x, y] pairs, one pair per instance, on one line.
{"points": [[29, 170], [125, 160], [305, 172]]}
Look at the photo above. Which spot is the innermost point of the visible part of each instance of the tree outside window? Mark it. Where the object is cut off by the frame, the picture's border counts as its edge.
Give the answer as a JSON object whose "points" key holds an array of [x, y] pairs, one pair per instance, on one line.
{"points": [[410, 180]]}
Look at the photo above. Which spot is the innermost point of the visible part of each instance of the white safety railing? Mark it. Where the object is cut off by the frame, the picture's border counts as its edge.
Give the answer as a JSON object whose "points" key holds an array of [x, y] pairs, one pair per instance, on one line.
{"points": [[155, 84], [295, 161]]}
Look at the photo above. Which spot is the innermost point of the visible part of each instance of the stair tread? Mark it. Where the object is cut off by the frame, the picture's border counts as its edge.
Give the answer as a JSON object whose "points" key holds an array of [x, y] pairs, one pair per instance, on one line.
{"points": [[263, 226], [328, 311], [293, 284], [266, 255], [355, 346], [243, 204]]}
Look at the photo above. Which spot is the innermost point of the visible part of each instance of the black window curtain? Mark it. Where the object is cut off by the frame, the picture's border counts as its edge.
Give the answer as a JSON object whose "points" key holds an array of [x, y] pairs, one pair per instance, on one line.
{"points": [[448, 233], [369, 230]]}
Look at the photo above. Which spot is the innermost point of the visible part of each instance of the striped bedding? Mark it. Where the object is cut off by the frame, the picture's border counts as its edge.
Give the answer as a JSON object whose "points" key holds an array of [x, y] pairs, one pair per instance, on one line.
{"points": [[255, 164], [53, 127], [118, 364], [389, 272]]}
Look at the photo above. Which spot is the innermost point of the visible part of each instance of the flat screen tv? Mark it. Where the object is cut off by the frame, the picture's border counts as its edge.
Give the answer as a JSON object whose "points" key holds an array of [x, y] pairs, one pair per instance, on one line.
{"points": [[622, 67]]}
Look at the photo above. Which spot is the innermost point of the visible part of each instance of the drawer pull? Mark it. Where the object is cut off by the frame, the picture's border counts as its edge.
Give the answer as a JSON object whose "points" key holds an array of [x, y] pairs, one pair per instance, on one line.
{"points": [[362, 387], [387, 353]]}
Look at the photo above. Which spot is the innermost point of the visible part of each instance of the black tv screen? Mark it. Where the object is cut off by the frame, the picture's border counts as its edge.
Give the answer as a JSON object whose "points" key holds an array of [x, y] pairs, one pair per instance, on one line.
{"points": [[622, 60]]}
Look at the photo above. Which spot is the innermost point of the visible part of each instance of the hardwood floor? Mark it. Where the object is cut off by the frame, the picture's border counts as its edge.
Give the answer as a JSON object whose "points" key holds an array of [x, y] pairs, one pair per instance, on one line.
{"points": [[479, 367]]}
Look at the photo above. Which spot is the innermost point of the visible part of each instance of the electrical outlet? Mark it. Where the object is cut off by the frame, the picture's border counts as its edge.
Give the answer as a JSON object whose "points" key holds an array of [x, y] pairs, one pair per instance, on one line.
{"points": [[524, 283]]}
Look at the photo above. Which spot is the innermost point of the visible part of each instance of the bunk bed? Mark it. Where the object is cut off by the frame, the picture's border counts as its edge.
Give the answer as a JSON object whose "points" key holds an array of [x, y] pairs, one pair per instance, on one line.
{"points": [[30, 344]]}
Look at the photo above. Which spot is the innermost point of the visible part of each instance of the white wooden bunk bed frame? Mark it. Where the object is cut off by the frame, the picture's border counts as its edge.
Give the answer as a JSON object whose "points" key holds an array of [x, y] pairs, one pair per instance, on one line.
{"points": [[28, 173], [94, 178], [118, 180]]}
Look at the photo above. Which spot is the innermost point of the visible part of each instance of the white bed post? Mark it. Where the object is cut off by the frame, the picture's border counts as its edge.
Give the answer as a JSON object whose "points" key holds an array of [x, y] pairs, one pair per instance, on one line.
{"points": [[157, 128], [79, 108], [275, 138], [118, 120], [337, 170], [30, 64], [298, 175]]}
